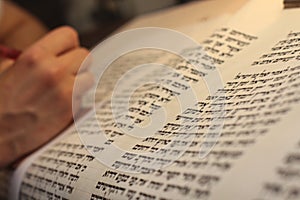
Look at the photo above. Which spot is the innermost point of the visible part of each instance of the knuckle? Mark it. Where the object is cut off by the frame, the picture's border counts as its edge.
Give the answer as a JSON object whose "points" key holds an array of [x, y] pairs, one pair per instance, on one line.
{"points": [[82, 55], [84, 51], [70, 33], [90, 81], [49, 77], [33, 57], [83, 59]]}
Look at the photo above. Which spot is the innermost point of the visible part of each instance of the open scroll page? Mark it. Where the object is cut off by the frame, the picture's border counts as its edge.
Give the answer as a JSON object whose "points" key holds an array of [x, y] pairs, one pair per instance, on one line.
{"points": [[270, 169], [210, 135]]}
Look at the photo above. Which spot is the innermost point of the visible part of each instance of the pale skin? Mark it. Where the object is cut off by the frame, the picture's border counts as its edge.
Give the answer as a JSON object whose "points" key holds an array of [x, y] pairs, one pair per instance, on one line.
{"points": [[36, 89]]}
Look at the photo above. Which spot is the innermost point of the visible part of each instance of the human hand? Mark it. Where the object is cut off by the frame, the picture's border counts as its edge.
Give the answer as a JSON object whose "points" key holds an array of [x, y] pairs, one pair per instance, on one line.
{"points": [[36, 93]]}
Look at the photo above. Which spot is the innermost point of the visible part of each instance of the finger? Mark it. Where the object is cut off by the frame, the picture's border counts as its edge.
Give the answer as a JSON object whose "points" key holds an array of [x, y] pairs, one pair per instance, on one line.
{"points": [[74, 59], [76, 105], [5, 64], [83, 82], [59, 40]]}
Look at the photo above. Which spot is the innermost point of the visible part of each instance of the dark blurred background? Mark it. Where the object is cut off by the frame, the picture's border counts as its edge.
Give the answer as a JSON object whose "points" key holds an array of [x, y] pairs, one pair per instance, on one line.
{"points": [[94, 19]]}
